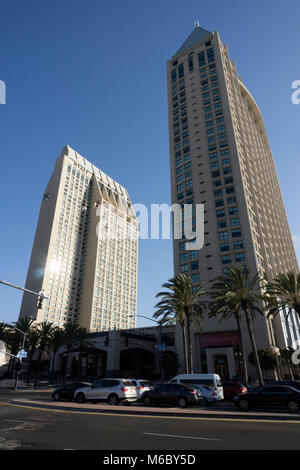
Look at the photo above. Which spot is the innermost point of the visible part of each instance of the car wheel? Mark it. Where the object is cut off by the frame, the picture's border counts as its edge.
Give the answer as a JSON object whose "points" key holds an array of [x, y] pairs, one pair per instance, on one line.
{"points": [[80, 398], [293, 406], [182, 402], [56, 397], [113, 400], [243, 405], [147, 401]]}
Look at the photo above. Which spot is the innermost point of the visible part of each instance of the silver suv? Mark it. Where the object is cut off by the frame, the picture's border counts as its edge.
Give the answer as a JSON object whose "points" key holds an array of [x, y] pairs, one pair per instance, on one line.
{"points": [[112, 390]]}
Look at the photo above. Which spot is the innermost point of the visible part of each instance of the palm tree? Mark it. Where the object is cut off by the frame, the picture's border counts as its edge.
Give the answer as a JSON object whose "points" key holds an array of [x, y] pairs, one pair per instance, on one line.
{"points": [[82, 345], [32, 341], [285, 291], [244, 294], [56, 342], [184, 303], [71, 332], [223, 305], [45, 330]]}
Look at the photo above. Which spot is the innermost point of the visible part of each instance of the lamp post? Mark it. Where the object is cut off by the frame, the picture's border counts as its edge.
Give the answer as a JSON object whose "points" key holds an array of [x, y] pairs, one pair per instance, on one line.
{"points": [[159, 346]]}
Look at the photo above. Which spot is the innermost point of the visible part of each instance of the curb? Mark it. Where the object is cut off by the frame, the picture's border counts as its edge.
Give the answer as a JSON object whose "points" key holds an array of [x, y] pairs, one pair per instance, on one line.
{"points": [[173, 414]]}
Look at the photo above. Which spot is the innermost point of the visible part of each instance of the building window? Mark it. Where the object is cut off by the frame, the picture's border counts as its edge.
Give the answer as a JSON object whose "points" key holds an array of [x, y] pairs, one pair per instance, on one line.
{"points": [[223, 235], [239, 257], [226, 259], [236, 233], [224, 247]]}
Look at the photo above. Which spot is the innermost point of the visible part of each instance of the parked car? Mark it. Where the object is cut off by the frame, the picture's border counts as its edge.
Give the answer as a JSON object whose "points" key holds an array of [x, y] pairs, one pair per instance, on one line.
{"points": [[210, 381], [232, 388], [289, 383], [111, 390], [209, 394], [179, 394], [270, 396], [67, 391], [142, 386]]}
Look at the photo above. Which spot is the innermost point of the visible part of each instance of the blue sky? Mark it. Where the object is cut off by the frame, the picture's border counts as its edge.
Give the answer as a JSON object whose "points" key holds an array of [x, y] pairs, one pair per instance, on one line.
{"points": [[92, 74]]}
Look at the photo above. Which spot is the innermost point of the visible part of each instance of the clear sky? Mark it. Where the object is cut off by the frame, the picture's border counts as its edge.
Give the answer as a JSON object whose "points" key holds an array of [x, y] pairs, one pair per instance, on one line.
{"points": [[92, 74]]}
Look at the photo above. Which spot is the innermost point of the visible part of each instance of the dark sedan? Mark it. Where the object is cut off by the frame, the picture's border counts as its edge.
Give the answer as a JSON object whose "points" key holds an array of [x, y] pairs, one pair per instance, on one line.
{"points": [[289, 383], [270, 396], [176, 394], [67, 391]]}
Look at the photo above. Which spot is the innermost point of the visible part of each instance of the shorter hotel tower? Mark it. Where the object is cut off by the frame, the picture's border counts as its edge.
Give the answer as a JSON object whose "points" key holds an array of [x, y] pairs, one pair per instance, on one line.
{"points": [[85, 251], [220, 157]]}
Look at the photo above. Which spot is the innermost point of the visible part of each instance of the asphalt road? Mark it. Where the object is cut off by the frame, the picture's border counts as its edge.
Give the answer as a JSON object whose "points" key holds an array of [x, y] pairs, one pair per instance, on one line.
{"points": [[32, 429]]}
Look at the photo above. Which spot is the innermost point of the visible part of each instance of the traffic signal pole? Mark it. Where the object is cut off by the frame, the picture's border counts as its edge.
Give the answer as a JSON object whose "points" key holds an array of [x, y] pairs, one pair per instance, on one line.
{"points": [[40, 295]]}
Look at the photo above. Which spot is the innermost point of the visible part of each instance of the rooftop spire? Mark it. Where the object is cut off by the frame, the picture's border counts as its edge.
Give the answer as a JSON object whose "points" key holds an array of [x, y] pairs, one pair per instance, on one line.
{"points": [[197, 35]]}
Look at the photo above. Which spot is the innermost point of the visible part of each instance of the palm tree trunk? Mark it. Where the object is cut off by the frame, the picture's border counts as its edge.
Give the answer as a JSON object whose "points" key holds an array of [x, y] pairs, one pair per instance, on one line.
{"points": [[53, 363], [190, 351], [185, 348], [243, 353], [254, 349]]}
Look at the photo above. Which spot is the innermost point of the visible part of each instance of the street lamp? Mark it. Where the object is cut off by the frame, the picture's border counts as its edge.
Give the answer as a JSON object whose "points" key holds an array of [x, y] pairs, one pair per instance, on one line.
{"points": [[159, 346]]}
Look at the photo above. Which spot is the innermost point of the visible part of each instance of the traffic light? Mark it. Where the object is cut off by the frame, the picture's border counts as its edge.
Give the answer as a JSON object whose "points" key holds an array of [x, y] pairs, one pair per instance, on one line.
{"points": [[40, 300]]}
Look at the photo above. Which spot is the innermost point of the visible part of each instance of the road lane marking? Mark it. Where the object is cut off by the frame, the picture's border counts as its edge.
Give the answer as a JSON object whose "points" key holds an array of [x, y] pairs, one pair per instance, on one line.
{"points": [[191, 418], [181, 437]]}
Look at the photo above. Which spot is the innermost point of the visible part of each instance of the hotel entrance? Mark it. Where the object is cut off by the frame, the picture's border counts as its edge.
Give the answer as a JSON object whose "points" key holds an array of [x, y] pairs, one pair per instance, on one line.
{"points": [[220, 355], [221, 366]]}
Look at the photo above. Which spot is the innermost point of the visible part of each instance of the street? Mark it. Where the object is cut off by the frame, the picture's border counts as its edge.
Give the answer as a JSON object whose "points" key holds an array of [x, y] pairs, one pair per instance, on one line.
{"points": [[26, 428]]}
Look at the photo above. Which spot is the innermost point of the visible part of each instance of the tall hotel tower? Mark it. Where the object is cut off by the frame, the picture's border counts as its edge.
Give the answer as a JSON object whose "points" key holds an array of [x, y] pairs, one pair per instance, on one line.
{"points": [[220, 157], [85, 251]]}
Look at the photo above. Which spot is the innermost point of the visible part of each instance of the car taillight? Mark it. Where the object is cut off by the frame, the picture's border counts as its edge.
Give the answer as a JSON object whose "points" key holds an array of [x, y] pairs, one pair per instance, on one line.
{"points": [[140, 388], [124, 389], [194, 392], [244, 390]]}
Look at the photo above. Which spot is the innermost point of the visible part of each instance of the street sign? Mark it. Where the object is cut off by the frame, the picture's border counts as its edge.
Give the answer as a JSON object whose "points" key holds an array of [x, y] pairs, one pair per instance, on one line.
{"points": [[161, 347], [22, 353]]}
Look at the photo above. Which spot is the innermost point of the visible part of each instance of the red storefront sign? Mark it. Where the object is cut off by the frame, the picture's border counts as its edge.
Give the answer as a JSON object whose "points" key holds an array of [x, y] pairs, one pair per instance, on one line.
{"points": [[219, 339]]}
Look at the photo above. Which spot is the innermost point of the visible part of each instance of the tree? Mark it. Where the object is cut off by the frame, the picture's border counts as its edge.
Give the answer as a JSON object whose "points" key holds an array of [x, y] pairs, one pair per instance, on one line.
{"points": [[284, 292], [56, 342], [71, 332], [82, 345], [267, 359], [244, 293], [286, 356], [32, 340], [184, 304], [224, 305], [45, 332]]}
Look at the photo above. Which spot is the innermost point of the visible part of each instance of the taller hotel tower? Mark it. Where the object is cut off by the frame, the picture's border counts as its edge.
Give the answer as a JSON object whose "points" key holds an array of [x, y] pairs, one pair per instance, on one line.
{"points": [[220, 157]]}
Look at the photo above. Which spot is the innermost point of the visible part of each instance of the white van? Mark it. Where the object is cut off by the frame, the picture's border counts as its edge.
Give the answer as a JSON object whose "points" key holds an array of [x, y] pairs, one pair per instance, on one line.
{"points": [[212, 382]]}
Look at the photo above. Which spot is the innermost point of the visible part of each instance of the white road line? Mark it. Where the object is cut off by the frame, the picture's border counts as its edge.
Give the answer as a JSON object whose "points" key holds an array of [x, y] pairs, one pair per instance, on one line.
{"points": [[181, 437]]}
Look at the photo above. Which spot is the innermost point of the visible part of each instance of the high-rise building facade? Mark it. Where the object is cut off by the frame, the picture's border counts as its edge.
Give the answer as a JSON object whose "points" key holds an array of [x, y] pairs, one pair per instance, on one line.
{"points": [[85, 251], [220, 157]]}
